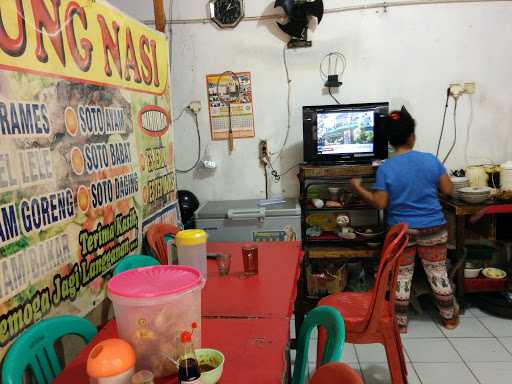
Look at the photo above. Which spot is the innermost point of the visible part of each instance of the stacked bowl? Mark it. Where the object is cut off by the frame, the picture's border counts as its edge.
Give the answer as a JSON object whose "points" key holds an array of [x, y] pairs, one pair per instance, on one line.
{"points": [[475, 195], [458, 184]]}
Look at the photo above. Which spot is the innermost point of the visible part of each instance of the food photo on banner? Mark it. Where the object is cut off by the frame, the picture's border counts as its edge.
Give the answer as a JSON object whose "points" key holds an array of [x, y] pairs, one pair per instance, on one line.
{"points": [[86, 153]]}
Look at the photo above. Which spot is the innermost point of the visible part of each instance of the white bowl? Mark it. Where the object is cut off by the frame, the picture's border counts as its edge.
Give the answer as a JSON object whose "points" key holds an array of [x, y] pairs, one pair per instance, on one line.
{"points": [[476, 190], [213, 358], [456, 179], [474, 199], [471, 273]]}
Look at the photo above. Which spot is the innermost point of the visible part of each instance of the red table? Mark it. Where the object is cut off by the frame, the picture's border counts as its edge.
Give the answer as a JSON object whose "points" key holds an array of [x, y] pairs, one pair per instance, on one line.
{"points": [[254, 350], [269, 294], [245, 318]]}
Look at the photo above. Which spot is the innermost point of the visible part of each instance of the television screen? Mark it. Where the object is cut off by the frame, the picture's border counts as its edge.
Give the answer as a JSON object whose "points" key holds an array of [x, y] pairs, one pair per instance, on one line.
{"points": [[350, 133], [345, 132]]}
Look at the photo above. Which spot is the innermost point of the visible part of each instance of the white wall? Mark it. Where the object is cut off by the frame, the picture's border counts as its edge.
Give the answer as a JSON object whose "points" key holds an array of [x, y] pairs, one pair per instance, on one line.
{"points": [[407, 55]]}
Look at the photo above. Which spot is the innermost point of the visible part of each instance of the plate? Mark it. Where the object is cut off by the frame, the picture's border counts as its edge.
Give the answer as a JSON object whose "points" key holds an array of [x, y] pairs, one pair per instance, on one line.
{"points": [[369, 232], [476, 190], [494, 273]]}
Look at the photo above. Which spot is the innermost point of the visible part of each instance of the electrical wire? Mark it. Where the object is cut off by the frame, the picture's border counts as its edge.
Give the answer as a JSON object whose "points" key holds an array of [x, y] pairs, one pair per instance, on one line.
{"points": [[288, 106], [196, 121], [468, 131], [290, 169], [180, 115], [334, 98], [266, 182], [330, 69], [455, 131], [444, 121]]}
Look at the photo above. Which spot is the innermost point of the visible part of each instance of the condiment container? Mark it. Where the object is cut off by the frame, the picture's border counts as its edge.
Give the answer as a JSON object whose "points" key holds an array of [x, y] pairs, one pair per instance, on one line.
{"points": [[111, 362], [152, 305], [477, 176], [506, 176], [191, 246]]}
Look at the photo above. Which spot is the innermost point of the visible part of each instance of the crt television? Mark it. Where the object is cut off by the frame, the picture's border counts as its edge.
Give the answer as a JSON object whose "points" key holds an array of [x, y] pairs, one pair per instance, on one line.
{"points": [[351, 133]]}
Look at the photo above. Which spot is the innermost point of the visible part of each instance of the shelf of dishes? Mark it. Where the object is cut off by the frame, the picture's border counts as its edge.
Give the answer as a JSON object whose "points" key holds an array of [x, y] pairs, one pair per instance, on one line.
{"points": [[310, 206], [333, 195], [371, 236]]}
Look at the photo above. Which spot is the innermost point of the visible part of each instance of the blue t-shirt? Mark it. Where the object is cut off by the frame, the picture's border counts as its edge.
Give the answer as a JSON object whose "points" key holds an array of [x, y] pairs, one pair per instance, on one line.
{"points": [[411, 181]]}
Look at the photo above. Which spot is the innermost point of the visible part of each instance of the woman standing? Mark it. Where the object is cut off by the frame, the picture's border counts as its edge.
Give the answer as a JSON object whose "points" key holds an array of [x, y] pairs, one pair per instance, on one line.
{"points": [[408, 185]]}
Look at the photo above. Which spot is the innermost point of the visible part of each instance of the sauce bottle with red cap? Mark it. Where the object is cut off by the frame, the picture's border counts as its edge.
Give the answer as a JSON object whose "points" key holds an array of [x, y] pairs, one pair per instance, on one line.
{"points": [[188, 371]]}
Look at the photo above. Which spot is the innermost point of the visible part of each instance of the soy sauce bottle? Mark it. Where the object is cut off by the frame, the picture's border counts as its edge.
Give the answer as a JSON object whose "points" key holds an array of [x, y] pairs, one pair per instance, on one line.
{"points": [[188, 371]]}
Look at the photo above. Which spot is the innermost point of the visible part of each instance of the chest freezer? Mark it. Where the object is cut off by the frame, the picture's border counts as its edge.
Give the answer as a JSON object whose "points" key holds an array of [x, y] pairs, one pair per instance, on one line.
{"points": [[245, 220]]}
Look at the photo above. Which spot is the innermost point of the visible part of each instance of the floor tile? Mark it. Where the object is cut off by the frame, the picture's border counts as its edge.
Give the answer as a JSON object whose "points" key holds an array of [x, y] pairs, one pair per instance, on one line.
{"points": [[481, 350], [356, 367], [468, 327], [372, 353], [435, 351], [349, 354], [378, 373], [312, 351], [422, 327], [492, 373], [498, 327], [292, 329], [507, 342], [478, 313], [467, 313], [453, 373], [375, 373]]}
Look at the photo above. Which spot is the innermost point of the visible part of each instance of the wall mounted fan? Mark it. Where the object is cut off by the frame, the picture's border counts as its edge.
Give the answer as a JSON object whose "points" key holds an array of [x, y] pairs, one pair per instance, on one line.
{"points": [[299, 13]]}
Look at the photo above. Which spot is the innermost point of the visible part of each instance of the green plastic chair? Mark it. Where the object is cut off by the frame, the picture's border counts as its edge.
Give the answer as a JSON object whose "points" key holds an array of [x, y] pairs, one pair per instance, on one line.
{"points": [[134, 261], [34, 349], [331, 320]]}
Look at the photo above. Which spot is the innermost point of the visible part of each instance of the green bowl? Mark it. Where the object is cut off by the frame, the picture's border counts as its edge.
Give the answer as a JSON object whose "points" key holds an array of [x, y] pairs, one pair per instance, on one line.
{"points": [[213, 358]]}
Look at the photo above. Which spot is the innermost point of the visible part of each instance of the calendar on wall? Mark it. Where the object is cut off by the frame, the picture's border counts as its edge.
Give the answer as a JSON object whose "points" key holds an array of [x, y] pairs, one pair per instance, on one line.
{"points": [[230, 105]]}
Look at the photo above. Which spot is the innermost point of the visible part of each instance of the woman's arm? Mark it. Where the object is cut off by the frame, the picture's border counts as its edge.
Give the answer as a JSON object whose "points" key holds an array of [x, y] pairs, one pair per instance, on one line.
{"points": [[445, 185], [378, 199]]}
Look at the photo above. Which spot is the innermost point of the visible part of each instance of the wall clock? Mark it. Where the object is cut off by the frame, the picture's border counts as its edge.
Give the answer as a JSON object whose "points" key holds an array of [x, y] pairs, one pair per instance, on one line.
{"points": [[226, 13]]}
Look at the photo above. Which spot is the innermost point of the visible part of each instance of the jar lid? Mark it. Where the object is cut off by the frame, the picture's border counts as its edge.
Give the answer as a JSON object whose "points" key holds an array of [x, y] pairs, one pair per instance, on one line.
{"points": [[109, 358], [191, 237], [159, 280]]}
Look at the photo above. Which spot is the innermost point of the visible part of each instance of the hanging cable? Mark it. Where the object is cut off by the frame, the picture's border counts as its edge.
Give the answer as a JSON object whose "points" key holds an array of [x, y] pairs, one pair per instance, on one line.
{"points": [[288, 107], [454, 129], [468, 131], [196, 122], [266, 182], [334, 98], [444, 121]]}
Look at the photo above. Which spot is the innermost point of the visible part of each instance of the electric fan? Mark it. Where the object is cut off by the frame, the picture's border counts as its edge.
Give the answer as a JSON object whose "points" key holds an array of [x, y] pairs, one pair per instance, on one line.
{"points": [[299, 13]]}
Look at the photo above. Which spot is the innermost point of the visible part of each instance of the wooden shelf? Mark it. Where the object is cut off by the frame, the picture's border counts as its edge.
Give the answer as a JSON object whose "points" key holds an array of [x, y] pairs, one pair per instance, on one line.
{"points": [[483, 284], [342, 252], [358, 206]]}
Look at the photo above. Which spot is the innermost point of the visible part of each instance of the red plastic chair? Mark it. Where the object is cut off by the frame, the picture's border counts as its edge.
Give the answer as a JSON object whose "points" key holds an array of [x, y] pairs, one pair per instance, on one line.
{"points": [[370, 316], [155, 238], [336, 373]]}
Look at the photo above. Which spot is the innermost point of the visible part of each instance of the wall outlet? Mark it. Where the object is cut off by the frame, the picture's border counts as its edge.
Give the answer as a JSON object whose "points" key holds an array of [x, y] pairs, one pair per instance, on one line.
{"points": [[209, 164], [195, 106], [469, 88], [263, 152], [456, 90]]}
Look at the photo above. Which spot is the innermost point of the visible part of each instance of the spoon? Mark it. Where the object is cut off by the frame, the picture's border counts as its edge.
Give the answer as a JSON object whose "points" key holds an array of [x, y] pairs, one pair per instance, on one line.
{"points": [[171, 359]]}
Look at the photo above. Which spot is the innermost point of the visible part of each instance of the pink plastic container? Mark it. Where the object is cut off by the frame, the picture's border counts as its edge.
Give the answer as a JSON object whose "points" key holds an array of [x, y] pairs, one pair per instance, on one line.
{"points": [[153, 305]]}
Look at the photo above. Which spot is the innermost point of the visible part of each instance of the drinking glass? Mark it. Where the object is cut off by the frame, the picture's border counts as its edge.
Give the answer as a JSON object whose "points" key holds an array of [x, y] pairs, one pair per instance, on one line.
{"points": [[224, 264], [250, 258]]}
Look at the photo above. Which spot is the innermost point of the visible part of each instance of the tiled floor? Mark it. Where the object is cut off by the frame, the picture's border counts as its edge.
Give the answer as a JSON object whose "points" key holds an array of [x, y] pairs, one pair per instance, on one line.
{"points": [[478, 351]]}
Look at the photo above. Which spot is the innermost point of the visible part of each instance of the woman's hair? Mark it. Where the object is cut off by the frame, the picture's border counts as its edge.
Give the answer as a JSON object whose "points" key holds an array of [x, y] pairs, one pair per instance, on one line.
{"points": [[400, 127]]}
